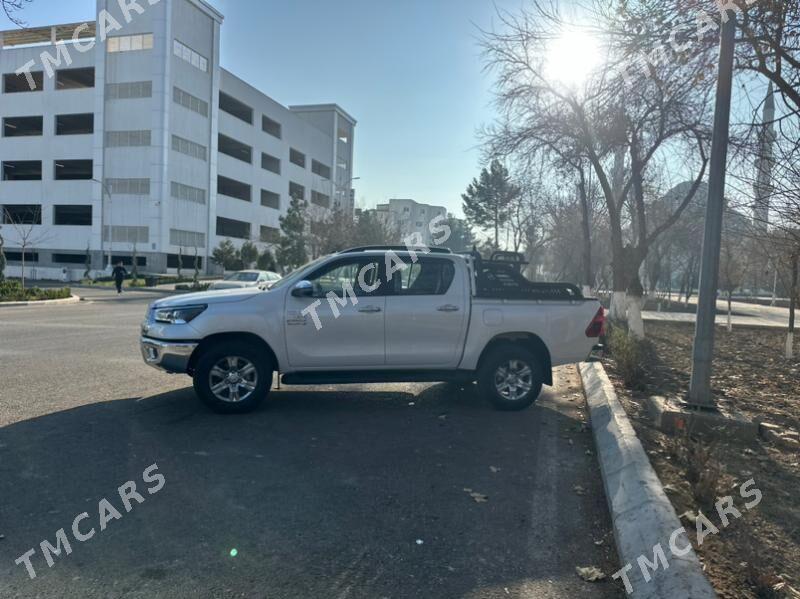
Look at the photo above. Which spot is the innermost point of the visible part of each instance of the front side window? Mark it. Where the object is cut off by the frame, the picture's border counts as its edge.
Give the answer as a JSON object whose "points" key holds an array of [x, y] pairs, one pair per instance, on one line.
{"points": [[362, 275], [426, 277]]}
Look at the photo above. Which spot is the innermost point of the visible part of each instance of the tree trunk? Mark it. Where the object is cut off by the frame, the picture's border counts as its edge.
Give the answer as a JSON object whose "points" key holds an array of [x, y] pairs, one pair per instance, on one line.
{"points": [[730, 310], [792, 307], [635, 300], [586, 228], [22, 273]]}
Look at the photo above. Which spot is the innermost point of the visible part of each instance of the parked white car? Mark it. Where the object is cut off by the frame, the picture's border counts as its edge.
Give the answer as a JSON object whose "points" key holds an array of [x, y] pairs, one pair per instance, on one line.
{"points": [[376, 315], [246, 278]]}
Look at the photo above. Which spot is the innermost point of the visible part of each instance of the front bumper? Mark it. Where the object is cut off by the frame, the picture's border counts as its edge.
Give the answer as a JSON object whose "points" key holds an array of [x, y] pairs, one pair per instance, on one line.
{"points": [[169, 356]]}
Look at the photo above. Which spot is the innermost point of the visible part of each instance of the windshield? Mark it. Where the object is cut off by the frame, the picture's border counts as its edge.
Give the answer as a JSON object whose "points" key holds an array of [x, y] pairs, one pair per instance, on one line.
{"points": [[246, 277], [297, 274]]}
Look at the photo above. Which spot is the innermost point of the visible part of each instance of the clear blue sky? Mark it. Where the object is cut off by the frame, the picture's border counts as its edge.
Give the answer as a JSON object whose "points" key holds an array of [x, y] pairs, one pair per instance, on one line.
{"points": [[410, 71]]}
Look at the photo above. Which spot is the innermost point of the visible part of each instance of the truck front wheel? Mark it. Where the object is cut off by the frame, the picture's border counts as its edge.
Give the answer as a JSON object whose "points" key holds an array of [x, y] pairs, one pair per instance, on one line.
{"points": [[511, 378], [232, 378]]}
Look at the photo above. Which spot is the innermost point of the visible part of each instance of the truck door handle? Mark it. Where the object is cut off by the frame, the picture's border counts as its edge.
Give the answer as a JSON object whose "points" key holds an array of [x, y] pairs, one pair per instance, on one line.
{"points": [[448, 308], [370, 310]]}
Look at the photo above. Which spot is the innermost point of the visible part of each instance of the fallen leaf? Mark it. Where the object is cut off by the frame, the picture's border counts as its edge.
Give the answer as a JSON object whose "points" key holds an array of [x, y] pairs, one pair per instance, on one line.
{"points": [[579, 490], [598, 543], [494, 469], [477, 497], [590, 574]]}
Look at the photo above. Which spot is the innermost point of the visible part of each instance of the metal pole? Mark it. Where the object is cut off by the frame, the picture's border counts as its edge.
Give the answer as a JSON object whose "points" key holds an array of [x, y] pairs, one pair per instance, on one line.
{"points": [[700, 386], [105, 192]]}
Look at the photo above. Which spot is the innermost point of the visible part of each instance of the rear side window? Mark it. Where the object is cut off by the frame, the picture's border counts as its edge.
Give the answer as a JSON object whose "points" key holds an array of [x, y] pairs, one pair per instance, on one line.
{"points": [[426, 277]]}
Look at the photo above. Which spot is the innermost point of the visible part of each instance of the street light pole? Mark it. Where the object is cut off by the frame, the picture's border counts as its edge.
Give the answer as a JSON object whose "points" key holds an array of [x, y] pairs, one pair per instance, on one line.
{"points": [[105, 191], [703, 352]]}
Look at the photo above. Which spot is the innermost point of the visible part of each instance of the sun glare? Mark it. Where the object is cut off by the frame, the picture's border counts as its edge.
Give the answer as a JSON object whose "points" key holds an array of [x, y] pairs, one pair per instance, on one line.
{"points": [[572, 57]]}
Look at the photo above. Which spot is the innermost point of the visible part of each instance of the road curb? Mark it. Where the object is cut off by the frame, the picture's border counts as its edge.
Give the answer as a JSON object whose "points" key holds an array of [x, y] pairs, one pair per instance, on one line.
{"points": [[641, 514], [69, 300]]}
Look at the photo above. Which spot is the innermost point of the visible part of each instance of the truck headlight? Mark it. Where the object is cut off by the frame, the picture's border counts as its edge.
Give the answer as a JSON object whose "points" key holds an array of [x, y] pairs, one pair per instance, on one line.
{"points": [[180, 315]]}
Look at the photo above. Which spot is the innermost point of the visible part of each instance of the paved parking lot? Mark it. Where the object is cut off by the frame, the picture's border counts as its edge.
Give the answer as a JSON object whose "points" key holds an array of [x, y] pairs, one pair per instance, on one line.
{"points": [[326, 492]]}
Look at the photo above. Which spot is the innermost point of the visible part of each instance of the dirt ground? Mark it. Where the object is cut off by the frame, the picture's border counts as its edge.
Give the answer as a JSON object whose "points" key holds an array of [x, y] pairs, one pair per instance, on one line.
{"points": [[758, 555]]}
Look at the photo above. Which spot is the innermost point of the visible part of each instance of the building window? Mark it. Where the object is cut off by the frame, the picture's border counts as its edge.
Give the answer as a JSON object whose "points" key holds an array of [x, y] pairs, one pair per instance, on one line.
{"points": [[129, 90], [297, 157], [270, 199], [320, 169], [184, 146], [130, 187], [320, 199], [75, 124], [23, 126], [127, 234], [189, 101], [297, 191], [73, 170], [188, 193], [227, 227], [75, 78], [14, 84], [69, 215], [187, 239], [235, 108], [129, 43], [17, 256], [22, 214], [128, 260], [235, 149], [234, 189], [270, 235], [270, 163], [127, 139], [69, 258], [344, 136], [186, 54], [22, 170], [270, 126], [186, 261]]}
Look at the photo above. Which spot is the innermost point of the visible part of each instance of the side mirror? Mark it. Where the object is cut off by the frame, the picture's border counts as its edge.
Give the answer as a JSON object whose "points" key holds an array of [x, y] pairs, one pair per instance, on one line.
{"points": [[303, 289]]}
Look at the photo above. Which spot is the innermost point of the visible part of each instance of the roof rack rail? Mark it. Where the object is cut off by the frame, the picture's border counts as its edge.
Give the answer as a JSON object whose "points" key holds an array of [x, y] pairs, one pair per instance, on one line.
{"points": [[397, 248]]}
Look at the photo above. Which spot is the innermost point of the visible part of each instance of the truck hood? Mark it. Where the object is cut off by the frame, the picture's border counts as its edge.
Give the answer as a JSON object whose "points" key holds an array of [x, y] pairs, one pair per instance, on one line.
{"points": [[227, 296]]}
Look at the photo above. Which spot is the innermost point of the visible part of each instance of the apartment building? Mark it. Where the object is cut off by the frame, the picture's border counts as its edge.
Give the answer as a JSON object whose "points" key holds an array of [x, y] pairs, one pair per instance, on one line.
{"points": [[135, 142], [409, 217]]}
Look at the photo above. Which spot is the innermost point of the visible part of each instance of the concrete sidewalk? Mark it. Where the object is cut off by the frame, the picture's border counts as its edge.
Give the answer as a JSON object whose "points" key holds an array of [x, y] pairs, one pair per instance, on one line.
{"points": [[761, 322]]}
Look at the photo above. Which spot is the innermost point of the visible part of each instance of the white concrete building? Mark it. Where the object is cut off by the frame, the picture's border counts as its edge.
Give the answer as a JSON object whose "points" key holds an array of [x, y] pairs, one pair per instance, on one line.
{"points": [[408, 217], [134, 138]]}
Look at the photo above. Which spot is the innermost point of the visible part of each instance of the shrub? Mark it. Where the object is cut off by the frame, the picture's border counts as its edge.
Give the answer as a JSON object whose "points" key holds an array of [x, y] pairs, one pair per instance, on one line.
{"points": [[11, 291], [630, 355]]}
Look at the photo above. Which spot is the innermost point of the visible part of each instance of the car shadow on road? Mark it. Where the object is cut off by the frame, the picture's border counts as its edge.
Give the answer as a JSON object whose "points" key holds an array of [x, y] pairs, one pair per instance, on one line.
{"points": [[358, 492]]}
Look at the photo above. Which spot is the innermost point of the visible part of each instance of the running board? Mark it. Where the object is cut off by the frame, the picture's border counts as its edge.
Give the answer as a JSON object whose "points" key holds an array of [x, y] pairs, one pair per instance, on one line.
{"points": [[378, 376]]}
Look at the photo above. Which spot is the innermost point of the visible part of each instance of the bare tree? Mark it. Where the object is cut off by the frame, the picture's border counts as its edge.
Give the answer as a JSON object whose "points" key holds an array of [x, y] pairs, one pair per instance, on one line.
{"points": [[26, 231], [620, 130], [12, 7]]}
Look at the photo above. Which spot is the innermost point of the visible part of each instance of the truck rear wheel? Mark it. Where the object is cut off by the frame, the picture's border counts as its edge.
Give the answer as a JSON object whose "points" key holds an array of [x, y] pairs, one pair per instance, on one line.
{"points": [[232, 378], [511, 378]]}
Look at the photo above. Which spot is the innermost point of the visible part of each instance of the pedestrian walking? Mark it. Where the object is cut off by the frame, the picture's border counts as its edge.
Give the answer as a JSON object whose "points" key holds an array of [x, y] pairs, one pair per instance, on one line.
{"points": [[119, 275]]}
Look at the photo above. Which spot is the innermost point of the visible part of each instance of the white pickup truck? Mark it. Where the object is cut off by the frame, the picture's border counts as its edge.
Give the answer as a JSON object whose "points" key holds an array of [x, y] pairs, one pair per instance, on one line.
{"points": [[375, 315]]}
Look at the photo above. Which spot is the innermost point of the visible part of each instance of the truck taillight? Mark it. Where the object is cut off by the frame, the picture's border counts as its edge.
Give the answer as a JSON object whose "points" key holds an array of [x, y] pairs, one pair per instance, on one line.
{"points": [[597, 327]]}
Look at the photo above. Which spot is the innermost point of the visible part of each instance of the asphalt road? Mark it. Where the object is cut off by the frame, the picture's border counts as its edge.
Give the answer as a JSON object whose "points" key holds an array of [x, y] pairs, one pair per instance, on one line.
{"points": [[334, 492]]}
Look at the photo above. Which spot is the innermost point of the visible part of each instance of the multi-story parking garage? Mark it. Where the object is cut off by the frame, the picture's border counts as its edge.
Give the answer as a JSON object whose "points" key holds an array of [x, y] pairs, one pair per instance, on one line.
{"points": [[125, 137]]}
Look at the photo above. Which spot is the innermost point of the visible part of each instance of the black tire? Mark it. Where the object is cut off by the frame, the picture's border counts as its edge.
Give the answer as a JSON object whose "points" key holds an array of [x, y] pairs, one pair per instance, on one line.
{"points": [[528, 373], [233, 357]]}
